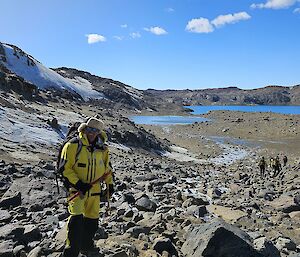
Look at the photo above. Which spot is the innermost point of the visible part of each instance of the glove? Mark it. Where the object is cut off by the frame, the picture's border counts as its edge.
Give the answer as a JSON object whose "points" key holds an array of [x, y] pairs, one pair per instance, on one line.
{"points": [[82, 187]]}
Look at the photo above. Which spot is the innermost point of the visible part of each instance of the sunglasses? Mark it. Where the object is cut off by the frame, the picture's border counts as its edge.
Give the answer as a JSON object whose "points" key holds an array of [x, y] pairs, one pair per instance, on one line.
{"points": [[92, 130]]}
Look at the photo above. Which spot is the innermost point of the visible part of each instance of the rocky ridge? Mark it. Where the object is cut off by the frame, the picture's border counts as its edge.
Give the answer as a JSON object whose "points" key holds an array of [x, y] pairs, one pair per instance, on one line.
{"points": [[270, 95]]}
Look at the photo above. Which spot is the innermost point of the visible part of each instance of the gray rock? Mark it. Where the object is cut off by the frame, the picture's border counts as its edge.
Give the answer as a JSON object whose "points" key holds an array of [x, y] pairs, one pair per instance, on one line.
{"points": [[196, 199], [145, 204], [101, 233], [164, 209], [10, 199], [129, 198], [36, 252], [17, 250], [285, 243], [218, 239], [137, 217], [4, 216], [6, 249], [164, 244], [13, 231], [266, 247], [297, 199], [286, 204], [31, 233], [33, 191], [135, 231]]}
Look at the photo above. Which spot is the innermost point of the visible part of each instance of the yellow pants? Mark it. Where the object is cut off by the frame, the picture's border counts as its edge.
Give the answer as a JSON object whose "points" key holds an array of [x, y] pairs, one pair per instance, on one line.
{"points": [[88, 206], [83, 221]]}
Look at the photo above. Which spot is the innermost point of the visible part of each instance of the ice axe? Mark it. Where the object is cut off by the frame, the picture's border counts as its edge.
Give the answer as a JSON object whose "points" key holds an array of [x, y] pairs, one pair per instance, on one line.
{"points": [[78, 193]]}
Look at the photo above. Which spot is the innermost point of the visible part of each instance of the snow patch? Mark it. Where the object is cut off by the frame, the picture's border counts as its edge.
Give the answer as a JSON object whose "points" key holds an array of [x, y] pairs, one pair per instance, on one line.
{"points": [[34, 72]]}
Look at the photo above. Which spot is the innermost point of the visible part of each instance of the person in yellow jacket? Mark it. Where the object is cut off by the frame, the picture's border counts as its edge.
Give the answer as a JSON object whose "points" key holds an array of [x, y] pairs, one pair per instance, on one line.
{"points": [[81, 169]]}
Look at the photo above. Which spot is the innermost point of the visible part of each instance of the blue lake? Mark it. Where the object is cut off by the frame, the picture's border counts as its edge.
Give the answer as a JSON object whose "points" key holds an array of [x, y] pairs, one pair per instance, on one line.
{"points": [[166, 120], [255, 108], [175, 120]]}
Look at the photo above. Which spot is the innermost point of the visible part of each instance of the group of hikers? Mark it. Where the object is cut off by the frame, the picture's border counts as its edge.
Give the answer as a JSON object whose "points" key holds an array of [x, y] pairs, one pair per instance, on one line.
{"points": [[274, 164], [84, 166]]}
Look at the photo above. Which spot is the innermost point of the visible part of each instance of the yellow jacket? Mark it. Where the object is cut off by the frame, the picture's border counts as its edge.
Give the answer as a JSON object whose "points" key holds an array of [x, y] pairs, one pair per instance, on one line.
{"points": [[90, 164]]}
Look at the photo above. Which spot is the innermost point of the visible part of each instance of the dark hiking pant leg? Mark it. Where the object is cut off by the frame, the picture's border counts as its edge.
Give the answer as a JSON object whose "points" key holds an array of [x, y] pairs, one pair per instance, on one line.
{"points": [[89, 231], [74, 236]]}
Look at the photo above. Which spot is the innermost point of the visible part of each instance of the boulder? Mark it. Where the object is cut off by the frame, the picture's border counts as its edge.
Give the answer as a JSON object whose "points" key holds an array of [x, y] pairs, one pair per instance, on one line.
{"points": [[285, 243], [266, 247], [285, 204], [31, 233], [13, 231], [145, 204], [10, 199], [164, 244], [218, 239]]}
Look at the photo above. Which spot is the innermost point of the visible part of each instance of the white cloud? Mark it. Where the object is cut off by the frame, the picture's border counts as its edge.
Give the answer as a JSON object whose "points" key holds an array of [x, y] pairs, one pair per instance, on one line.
{"points": [[135, 35], [95, 38], [156, 30], [297, 10], [124, 26], [275, 4], [118, 38], [200, 25], [170, 9], [203, 25], [221, 20]]}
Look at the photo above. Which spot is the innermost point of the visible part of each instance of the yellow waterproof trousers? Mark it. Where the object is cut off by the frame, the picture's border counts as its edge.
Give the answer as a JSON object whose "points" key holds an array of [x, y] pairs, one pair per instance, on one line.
{"points": [[82, 223]]}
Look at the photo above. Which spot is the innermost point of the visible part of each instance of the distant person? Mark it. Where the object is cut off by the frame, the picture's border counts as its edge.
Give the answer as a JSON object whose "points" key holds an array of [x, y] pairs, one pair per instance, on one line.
{"points": [[262, 166], [272, 164], [285, 159], [84, 169], [277, 166]]}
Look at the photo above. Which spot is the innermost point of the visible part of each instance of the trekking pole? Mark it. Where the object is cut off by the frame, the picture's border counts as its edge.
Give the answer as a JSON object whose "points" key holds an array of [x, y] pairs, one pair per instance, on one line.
{"points": [[108, 205], [92, 183]]}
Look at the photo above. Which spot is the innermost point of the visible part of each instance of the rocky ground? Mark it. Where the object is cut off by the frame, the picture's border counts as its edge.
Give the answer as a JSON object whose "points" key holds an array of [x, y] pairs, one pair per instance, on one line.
{"points": [[203, 197]]}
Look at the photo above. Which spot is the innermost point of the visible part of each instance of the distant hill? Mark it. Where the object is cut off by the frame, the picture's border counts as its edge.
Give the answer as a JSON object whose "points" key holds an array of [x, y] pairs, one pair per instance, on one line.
{"points": [[270, 95]]}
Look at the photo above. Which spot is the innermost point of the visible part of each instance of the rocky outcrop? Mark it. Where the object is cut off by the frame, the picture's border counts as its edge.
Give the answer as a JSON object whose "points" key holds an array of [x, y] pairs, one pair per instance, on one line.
{"points": [[118, 92], [218, 239], [13, 83], [140, 138]]}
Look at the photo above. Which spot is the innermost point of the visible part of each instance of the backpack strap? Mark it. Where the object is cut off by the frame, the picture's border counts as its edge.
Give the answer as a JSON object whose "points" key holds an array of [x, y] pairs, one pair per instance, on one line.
{"points": [[76, 140], [79, 147], [61, 162]]}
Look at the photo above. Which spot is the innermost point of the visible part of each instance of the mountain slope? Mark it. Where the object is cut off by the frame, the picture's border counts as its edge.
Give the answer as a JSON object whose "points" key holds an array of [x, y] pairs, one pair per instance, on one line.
{"points": [[25, 66]]}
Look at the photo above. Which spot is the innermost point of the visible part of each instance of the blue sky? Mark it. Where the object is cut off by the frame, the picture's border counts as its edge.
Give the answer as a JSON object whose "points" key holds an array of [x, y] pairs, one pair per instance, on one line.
{"points": [[162, 44]]}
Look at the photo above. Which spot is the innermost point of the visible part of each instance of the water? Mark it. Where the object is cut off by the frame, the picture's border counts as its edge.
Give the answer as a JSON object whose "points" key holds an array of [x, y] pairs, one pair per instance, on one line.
{"points": [[166, 120], [175, 120], [255, 108]]}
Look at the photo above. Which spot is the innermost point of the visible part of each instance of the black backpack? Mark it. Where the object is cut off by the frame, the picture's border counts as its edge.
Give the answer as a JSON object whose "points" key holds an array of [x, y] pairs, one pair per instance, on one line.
{"points": [[73, 137]]}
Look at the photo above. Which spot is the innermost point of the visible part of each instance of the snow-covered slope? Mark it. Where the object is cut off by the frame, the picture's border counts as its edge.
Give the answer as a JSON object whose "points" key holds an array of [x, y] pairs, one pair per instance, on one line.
{"points": [[34, 72]]}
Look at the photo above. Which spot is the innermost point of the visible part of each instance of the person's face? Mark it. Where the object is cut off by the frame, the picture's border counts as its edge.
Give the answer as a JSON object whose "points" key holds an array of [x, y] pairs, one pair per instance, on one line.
{"points": [[91, 133]]}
